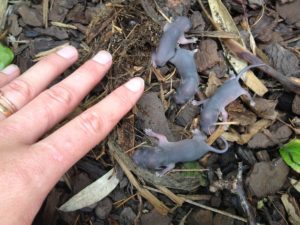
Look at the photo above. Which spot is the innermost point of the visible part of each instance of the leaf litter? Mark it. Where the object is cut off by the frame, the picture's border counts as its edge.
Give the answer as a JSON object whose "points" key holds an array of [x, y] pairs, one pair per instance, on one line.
{"points": [[130, 30]]}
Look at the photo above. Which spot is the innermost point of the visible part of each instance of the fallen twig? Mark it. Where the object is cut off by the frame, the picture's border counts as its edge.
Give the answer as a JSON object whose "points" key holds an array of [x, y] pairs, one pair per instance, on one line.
{"points": [[236, 187]]}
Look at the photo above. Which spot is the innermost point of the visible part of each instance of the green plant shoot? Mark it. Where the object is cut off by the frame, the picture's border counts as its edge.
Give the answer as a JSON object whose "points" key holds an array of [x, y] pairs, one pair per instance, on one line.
{"points": [[6, 56], [290, 153]]}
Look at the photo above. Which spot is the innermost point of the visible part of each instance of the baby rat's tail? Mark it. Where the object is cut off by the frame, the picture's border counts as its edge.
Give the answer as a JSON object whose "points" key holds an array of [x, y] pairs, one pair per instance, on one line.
{"points": [[248, 68], [212, 149]]}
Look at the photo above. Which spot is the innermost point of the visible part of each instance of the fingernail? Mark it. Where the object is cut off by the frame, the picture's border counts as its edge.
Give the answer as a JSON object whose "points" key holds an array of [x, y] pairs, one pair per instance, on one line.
{"points": [[102, 57], [67, 52], [10, 70], [135, 84]]}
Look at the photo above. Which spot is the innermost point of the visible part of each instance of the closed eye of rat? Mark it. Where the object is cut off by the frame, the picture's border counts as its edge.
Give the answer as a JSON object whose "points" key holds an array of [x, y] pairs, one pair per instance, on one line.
{"points": [[173, 34], [166, 154], [214, 106]]}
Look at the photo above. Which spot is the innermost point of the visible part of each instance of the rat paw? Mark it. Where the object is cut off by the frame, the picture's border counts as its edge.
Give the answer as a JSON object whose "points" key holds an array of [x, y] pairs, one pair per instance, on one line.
{"points": [[196, 103], [196, 131], [194, 40], [148, 131], [252, 103], [159, 174]]}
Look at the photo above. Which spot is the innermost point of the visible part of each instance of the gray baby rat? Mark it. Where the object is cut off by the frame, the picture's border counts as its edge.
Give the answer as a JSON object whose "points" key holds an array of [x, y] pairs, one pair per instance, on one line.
{"points": [[185, 64], [166, 154], [173, 34], [227, 93]]}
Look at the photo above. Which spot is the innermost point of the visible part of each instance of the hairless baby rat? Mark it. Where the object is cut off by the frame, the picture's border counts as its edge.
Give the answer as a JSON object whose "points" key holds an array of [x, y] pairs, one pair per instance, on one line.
{"points": [[164, 156], [185, 64], [173, 34], [227, 93]]}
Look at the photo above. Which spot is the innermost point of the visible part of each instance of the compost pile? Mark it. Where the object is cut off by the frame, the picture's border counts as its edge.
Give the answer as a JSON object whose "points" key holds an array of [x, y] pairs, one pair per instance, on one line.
{"points": [[255, 181]]}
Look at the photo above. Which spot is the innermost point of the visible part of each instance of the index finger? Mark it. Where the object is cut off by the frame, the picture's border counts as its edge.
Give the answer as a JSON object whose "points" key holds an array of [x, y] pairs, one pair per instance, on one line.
{"points": [[59, 151]]}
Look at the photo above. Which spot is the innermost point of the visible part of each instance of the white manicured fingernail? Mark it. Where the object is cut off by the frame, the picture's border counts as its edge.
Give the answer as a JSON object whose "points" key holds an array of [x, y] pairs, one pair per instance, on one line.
{"points": [[10, 70], [67, 52], [102, 57], [135, 84]]}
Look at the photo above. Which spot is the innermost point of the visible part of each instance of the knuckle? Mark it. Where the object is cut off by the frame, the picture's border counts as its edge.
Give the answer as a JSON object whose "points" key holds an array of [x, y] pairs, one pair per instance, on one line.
{"points": [[86, 70], [22, 87], [91, 123], [9, 128], [60, 94], [51, 64], [52, 152], [122, 99]]}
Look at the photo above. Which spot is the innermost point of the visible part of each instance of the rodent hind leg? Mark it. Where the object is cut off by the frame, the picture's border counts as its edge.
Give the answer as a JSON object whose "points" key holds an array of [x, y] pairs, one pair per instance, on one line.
{"points": [[251, 101], [162, 139], [224, 114], [197, 103], [182, 40], [165, 170]]}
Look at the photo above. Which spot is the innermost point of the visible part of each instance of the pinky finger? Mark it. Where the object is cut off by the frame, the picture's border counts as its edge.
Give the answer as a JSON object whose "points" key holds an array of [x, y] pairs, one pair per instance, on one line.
{"points": [[8, 74]]}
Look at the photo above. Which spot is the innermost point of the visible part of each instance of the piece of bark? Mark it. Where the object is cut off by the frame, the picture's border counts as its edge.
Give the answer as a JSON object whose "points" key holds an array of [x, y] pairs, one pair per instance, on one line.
{"points": [[238, 113], [263, 155], [77, 15], [282, 59], [186, 115], [265, 108], [261, 179], [212, 84], [54, 32], [14, 27], [278, 136], [58, 13], [151, 115], [30, 16], [263, 29], [155, 218], [197, 21], [207, 56], [296, 105], [224, 220], [200, 217], [289, 11], [178, 8]]}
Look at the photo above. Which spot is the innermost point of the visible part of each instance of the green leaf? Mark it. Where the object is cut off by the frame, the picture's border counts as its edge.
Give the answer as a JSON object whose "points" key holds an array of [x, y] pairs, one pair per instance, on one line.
{"points": [[290, 153], [194, 166], [6, 56]]}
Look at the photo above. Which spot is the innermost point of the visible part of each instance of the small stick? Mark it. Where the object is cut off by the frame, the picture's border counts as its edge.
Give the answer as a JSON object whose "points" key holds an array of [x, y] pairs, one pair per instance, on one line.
{"points": [[236, 187]]}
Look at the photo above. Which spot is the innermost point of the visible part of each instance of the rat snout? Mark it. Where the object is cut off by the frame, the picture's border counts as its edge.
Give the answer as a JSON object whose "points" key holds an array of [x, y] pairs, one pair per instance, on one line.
{"points": [[145, 158], [208, 120], [185, 92], [138, 157], [207, 128], [180, 99]]}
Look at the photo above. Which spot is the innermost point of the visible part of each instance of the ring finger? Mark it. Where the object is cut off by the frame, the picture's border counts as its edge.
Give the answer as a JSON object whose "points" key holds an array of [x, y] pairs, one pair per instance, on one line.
{"points": [[8, 74], [24, 88]]}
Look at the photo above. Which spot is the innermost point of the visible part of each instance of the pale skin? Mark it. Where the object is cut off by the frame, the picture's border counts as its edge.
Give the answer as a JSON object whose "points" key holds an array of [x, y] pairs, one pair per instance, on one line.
{"points": [[30, 163]]}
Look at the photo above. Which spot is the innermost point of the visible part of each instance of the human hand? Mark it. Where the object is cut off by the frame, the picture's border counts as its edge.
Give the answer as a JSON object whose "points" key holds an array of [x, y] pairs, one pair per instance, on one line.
{"points": [[30, 167]]}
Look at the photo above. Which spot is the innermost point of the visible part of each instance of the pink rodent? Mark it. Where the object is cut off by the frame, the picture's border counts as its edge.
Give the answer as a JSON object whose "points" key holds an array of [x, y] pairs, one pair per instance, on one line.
{"points": [[165, 155], [215, 105], [185, 64], [173, 34]]}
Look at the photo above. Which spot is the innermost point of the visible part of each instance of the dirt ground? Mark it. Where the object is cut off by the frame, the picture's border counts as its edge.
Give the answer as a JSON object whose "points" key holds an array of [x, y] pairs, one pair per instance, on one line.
{"points": [[250, 183]]}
